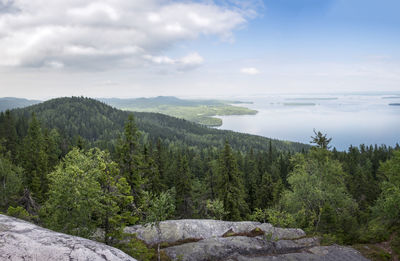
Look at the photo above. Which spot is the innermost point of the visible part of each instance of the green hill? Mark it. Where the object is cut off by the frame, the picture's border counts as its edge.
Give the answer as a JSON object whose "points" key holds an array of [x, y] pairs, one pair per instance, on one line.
{"points": [[101, 124]]}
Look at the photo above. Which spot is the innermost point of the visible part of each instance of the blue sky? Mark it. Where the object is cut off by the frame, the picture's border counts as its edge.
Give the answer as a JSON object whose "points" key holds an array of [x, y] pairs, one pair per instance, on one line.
{"points": [[197, 48]]}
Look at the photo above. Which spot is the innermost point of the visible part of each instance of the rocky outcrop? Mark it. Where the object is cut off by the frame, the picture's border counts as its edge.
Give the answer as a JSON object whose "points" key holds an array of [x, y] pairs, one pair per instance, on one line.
{"points": [[223, 248], [198, 240], [195, 229], [21, 240]]}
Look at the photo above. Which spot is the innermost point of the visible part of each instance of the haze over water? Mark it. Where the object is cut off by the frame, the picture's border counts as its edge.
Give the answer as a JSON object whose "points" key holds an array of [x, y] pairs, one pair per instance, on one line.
{"points": [[348, 119]]}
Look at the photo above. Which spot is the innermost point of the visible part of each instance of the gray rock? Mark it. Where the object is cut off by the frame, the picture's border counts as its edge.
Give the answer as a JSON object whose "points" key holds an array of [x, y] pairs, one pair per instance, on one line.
{"points": [[317, 253], [21, 240], [178, 230], [222, 248]]}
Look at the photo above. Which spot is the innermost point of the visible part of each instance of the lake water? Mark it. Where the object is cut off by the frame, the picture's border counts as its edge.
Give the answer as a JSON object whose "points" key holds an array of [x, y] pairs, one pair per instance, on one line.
{"points": [[348, 119]]}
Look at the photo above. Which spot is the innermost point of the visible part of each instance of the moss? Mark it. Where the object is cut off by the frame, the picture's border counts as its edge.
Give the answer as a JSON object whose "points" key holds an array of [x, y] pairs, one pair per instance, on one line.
{"points": [[253, 233]]}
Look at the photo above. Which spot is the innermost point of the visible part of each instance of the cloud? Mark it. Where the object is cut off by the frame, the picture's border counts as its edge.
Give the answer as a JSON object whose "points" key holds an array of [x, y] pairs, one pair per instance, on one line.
{"points": [[188, 62], [249, 71], [109, 33]]}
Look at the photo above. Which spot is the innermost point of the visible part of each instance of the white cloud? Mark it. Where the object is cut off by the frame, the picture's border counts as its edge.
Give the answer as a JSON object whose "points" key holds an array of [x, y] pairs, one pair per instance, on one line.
{"points": [[249, 71], [90, 33], [190, 61], [185, 63]]}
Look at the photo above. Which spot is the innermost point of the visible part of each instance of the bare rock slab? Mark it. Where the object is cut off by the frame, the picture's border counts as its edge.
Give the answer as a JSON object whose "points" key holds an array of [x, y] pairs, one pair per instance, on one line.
{"points": [[21, 240], [222, 248], [180, 230], [317, 253]]}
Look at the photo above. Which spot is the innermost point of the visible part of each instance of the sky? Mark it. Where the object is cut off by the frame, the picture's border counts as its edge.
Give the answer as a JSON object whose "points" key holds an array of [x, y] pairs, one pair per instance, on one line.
{"points": [[189, 48]]}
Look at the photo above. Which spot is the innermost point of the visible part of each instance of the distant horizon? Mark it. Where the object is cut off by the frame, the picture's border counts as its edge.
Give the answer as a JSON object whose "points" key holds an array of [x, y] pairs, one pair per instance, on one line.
{"points": [[377, 93]]}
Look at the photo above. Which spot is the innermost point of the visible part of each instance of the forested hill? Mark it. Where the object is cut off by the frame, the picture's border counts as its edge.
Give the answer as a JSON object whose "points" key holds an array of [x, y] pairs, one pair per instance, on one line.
{"points": [[100, 124]]}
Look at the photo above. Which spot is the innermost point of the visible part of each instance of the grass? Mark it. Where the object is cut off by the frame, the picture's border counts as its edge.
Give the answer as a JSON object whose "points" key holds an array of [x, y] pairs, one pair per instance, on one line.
{"points": [[202, 114]]}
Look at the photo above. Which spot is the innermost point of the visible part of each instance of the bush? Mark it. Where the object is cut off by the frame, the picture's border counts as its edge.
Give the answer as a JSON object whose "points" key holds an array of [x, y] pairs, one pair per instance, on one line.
{"points": [[136, 248], [19, 212], [395, 244]]}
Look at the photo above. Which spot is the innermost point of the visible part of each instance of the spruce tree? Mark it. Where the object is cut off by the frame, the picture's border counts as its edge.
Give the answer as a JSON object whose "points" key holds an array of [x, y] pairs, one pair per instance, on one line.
{"points": [[8, 132], [230, 185], [264, 192], [184, 189], [150, 172], [251, 179], [130, 158], [34, 160]]}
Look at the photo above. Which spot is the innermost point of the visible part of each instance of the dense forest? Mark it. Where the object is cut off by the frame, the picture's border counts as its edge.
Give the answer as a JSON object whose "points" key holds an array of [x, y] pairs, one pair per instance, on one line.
{"points": [[75, 165]]}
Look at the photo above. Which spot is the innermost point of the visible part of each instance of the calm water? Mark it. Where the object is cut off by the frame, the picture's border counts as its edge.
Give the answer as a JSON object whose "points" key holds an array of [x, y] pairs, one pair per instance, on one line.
{"points": [[348, 119]]}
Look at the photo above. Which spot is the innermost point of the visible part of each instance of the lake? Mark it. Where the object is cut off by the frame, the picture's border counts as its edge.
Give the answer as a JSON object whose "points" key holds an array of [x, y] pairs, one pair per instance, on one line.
{"points": [[348, 119]]}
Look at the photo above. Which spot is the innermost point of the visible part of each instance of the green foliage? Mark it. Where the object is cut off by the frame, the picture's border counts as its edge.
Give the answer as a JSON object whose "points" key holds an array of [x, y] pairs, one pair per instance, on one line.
{"points": [[387, 206], [10, 182], [86, 192], [230, 186], [321, 140], [130, 158], [274, 216], [183, 188], [215, 209], [151, 172], [373, 252], [395, 244], [329, 239], [259, 215], [8, 132], [134, 247], [34, 160], [159, 207], [318, 198], [19, 212]]}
